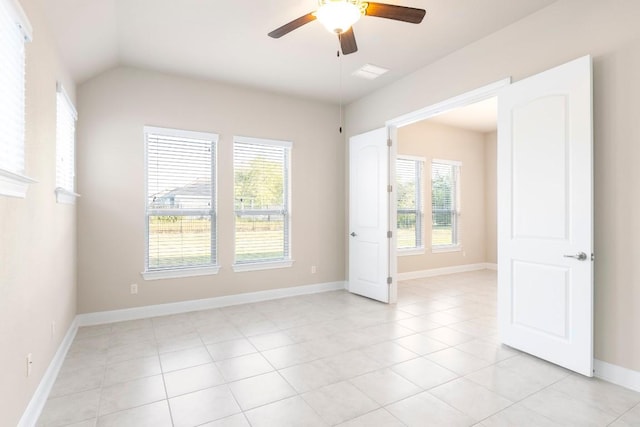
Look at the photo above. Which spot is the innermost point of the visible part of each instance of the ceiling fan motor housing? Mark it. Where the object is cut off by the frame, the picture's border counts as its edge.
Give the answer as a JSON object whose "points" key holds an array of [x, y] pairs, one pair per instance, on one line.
{"points": [[338, 16]]}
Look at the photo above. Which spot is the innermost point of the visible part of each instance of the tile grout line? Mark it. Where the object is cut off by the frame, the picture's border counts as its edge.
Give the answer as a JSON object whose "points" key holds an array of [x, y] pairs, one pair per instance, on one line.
{"points": [[164, 383]]}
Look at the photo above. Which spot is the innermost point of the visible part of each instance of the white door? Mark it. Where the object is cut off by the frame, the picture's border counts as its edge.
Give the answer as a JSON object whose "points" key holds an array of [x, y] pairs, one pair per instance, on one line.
{"points": [[369, 215], [545, 216]]}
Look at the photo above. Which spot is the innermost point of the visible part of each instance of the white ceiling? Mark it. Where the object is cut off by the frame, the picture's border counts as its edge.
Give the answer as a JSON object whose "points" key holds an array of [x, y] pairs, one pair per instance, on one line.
{"points": [[227, 40], [479, 117]]}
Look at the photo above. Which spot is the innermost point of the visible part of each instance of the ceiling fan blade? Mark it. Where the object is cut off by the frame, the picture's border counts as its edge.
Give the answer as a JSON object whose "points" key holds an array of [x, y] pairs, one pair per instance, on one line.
{"points": [[296, 23], [398, 13], [348, 42]]}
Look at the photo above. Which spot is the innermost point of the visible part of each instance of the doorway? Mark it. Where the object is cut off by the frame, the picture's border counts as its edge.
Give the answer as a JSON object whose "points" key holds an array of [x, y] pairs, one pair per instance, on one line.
{"points": [[446, 192], [545, 210]]}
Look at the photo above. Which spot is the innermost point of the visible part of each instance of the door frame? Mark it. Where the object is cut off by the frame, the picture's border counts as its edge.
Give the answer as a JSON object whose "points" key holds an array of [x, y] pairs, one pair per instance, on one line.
{"points": [[480, 94]]}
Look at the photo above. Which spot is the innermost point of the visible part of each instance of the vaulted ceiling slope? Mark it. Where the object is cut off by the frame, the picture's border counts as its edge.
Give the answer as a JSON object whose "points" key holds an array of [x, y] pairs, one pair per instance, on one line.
{"points": [[227, 40]]}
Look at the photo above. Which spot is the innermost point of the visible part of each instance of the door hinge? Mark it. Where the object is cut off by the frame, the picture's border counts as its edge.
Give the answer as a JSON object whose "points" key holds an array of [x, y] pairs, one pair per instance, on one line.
{"points": [[389, 142], [389, 234], [389, 188], [389, 280]]}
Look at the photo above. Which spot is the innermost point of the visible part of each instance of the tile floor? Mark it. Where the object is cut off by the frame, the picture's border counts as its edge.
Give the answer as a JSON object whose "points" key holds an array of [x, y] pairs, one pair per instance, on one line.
{"points": [[327, 359]]}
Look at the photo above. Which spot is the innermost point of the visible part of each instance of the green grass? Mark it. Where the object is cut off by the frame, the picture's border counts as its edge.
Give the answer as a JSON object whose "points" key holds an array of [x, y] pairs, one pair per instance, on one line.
{"points": [[188, 243], [439, 236]]}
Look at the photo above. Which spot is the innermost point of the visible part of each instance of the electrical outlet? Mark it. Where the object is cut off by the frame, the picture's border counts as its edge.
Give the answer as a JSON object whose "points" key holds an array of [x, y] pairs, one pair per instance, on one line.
{"points": [[29, 364], [313, 269], [134, 288], [53, 329]]}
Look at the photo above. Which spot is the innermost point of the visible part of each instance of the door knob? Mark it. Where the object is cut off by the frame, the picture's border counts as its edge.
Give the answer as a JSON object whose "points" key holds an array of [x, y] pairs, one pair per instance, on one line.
{"points": [[580, 257], [353, 234]]}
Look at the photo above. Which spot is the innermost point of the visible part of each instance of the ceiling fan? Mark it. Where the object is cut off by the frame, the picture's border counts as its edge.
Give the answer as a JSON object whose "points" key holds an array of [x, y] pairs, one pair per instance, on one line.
{"points": [[339, 15]]}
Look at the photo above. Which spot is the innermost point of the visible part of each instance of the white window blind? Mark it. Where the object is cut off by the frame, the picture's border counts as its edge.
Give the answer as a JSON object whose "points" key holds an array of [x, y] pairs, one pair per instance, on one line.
{"points": [[14, 32], [261, 191], [409, 192], [66, 117], [181, 215], [444, 203]]}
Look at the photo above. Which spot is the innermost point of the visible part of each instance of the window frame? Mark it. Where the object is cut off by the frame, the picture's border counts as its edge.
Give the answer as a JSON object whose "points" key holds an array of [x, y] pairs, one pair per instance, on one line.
{"points": [[187, 271], [456, 246], [64, 194], [419, 249], [287, 260], [14, 182]]}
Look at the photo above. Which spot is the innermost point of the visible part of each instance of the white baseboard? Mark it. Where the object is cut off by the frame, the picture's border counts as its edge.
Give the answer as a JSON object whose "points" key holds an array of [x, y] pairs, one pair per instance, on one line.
{"points": [[39, 399], [491, 266], [203, 304], [446, 270], [617, 375]]}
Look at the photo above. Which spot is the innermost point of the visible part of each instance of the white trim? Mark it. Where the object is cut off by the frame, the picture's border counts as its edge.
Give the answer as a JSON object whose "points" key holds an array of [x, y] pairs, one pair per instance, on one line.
{"points": [[443, 249], [13, 184], [410, 251], [60, 90], [180, 133], [444, 270], [410, 157], [491, 266], [66, 196], [255, 266], [447, 162], [617, 374], [180, 272], [40, 396], [203, 304], [21, 19], [262, 141], [479, 94]]}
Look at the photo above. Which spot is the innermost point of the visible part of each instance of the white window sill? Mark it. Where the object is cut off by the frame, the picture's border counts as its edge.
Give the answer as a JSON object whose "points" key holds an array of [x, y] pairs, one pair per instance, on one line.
{"points": [[410, 251], [444, 249], [13, 184], [65, 196], [255, 266], [179, 273]]}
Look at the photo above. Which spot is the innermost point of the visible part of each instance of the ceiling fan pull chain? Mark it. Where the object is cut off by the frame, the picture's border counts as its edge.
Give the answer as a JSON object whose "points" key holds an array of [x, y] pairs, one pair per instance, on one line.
{"points": [[340, 82]]}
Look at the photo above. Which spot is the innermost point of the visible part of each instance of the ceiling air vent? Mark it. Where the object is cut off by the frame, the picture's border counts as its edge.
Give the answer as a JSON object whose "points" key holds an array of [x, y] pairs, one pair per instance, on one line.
{"points": [[369, 72]]}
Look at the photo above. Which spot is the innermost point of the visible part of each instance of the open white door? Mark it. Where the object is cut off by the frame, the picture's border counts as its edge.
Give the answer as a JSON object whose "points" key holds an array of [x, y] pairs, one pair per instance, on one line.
{"points": [[545, 216], [369, 215]]}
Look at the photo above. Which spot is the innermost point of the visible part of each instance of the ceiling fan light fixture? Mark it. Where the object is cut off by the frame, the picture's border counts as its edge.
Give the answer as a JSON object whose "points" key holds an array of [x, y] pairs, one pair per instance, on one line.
{"points": [[338, 16]]}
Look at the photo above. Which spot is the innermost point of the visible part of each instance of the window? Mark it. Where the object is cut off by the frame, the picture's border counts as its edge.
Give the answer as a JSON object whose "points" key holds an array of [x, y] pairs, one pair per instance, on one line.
{"points": [[261, 192], [180, 207], [409, 191], [445, 204], [14, 32], [66, 117]]}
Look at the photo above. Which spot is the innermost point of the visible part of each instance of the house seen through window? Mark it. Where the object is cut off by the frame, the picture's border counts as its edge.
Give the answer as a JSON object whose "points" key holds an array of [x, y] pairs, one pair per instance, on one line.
{"points": [[180, 208]]}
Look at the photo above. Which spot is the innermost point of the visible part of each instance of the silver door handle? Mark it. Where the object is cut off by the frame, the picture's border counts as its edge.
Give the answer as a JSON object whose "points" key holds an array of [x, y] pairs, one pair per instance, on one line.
{"points": [[580, 257], [353, 234]]}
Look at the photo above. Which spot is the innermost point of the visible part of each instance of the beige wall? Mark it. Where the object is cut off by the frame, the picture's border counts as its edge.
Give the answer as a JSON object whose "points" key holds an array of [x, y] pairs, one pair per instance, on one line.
{"points": [[116, 105], [437, 141], [567, 29], [37, 238], [490, 197]]}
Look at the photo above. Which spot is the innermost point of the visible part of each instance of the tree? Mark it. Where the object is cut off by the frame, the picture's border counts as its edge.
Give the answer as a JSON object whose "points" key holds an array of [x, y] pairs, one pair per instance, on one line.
{"points": [[259, 185]]}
